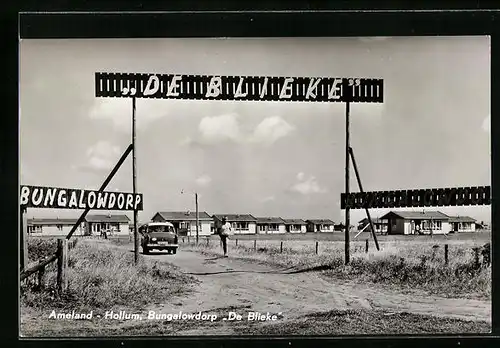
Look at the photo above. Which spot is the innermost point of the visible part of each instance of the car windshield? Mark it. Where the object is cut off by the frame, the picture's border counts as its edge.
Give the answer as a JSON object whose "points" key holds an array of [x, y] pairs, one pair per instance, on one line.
{"points": [[160, 228]]}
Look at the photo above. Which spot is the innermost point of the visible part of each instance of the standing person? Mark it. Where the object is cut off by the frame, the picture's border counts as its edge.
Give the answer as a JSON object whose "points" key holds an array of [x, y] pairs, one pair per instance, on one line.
{"points": [[225, 231]]}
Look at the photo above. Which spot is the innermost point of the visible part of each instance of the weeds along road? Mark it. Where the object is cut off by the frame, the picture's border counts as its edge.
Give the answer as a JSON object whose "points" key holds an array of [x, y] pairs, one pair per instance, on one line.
{"points": [[242, 286]]}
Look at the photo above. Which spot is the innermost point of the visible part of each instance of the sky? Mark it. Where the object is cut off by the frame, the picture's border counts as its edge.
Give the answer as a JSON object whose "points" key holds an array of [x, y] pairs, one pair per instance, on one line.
{"points": [[282, 159]]}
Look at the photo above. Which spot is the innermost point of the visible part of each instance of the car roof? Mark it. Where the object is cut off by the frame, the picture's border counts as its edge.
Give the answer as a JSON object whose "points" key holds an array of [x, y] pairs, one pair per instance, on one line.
{"points": [[165, 223]]}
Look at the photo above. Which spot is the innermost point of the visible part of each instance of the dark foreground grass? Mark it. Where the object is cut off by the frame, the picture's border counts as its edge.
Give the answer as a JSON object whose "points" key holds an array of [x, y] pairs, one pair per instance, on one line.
{"points": [[332, 323], [103, 277], [369, 322]]}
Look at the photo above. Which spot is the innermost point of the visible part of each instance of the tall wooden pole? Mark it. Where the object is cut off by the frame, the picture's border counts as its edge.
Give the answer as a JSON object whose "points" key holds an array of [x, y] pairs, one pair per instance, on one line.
{"points": [[134, 184], [197, 224], [347, 156]]}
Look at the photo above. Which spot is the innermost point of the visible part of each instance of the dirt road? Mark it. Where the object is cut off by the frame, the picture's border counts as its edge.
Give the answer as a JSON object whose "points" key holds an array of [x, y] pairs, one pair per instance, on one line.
{"points": [[232, 284]]}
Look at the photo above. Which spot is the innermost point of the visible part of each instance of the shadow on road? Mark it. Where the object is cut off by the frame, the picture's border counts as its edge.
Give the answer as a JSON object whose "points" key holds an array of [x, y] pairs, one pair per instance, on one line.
{"points": [[283, 271], [289, 270], [215, 258]]}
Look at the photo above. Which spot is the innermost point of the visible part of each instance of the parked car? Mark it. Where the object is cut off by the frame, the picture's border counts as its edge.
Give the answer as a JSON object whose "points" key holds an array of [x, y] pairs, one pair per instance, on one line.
{"points": [[158, 236]]}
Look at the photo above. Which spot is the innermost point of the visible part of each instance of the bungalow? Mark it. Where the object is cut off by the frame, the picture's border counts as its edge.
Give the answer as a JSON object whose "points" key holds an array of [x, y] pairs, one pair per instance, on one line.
{"points": [[185, 222], [320, 225], [241, 223], [417, 222], [295, 225], [53, 227], [380, 225], [267, 225], [462, 224], [113, 224]]}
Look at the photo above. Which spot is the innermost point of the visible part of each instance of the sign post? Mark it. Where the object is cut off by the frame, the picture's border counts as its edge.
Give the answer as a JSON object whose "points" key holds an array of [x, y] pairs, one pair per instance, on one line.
{"points": [[24, 238], [134, 183], [347, 169]]}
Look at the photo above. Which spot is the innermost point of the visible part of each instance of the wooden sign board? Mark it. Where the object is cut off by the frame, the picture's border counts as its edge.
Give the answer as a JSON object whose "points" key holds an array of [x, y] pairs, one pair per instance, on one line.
{"points": [[244, 88], [65, 198], [456, 196]]}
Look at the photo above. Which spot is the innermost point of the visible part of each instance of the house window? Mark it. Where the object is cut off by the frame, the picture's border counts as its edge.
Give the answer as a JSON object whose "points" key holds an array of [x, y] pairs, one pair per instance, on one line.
{"points": [[262, 228], [59, 227], [34, 229], [273, 227], [240, 226]]}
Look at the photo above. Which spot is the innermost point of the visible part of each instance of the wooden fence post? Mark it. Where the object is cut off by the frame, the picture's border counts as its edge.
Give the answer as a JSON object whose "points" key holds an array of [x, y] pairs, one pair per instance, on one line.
{"points": [[62, 264], [41, 278], [476, 256], [367, 245], [446, 254], [281, 247], [182, 240], [317, 245], [236, 242], [208, 241], [434, 250], [255, 244], [188, 239]]}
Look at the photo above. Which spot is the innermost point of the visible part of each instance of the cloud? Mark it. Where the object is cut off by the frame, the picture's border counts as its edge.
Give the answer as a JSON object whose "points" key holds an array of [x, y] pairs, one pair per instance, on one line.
{"points": [[203, 180], [271, 129], [307, 186], [119, 111], [215, 129], [220, 128], [486, 126], [102, 156]]}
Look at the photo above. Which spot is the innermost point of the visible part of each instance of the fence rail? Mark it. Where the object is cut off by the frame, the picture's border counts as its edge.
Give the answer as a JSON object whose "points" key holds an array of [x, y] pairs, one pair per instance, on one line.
{"points": [[482, 254], [61, 256]]}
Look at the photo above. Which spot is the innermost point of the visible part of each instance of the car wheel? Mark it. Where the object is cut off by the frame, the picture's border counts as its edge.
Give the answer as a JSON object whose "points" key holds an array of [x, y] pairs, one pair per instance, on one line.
{"points": [[174, 251], [169, 251], [145, 251]]}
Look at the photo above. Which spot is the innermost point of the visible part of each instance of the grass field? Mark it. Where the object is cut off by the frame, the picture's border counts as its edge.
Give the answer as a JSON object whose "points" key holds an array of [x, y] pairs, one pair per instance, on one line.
{"points": [[103, 277], [410, 263]]}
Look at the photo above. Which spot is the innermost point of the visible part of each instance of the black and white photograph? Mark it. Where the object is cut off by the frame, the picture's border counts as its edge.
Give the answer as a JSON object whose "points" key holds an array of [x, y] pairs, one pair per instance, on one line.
{"points": [[255, 186]]}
